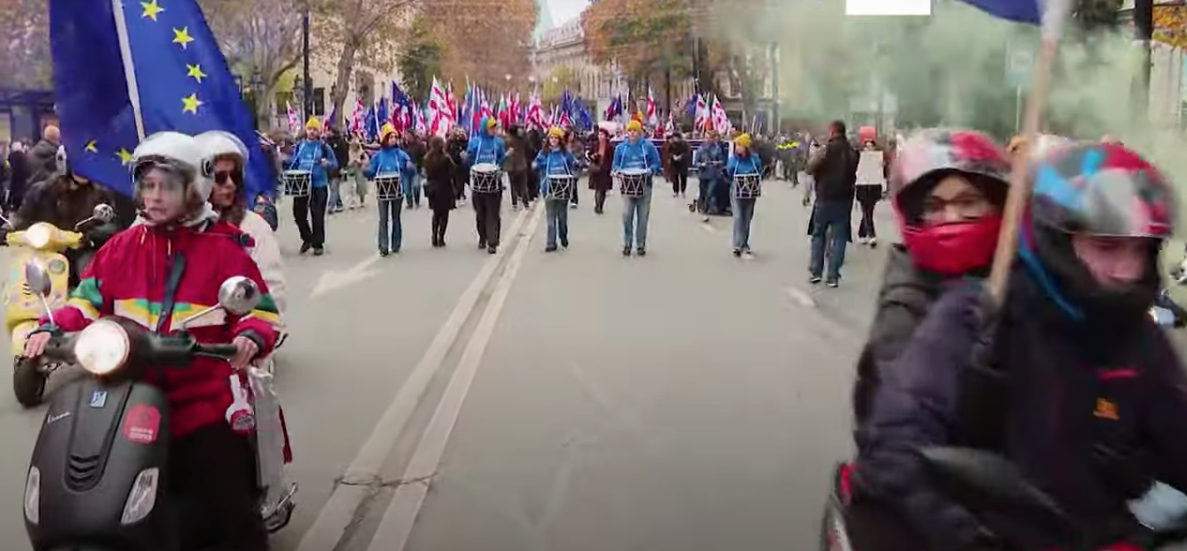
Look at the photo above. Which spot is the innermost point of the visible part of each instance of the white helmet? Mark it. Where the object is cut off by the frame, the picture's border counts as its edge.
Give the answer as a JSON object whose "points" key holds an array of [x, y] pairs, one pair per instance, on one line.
{"points": [[181, 151], [217, 143]]}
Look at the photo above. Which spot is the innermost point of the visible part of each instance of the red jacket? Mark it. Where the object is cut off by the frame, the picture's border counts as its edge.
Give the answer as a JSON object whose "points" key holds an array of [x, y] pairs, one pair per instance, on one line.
{"points": [[130, 276]]}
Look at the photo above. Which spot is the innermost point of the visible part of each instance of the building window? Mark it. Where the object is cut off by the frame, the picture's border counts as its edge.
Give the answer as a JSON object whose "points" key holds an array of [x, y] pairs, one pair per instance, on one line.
{"points": [[319, 102]]}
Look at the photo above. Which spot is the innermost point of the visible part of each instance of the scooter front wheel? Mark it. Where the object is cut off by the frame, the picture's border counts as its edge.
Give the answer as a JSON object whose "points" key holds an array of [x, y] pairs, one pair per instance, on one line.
{"points": [[28, 382]]}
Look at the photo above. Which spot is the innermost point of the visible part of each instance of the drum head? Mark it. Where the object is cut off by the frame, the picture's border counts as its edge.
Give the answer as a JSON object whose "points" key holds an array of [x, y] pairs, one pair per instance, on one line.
{"points": [[296, 173], [485, 167], [635, 172]]}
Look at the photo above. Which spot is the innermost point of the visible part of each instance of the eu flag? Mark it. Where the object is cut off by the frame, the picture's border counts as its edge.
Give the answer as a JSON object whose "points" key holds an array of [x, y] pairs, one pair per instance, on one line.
{"points": [[1021, 11], [124, 69]]}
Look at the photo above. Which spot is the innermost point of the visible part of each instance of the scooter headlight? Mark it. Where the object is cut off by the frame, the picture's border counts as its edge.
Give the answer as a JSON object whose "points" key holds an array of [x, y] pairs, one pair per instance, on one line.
{"points": [[39, 235], [102, 347]]}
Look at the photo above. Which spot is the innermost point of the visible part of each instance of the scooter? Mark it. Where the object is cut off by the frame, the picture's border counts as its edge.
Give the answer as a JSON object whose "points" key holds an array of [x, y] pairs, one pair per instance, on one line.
{"points": [[96, 476], [1165, 311], [981, 480], [44, 244]]}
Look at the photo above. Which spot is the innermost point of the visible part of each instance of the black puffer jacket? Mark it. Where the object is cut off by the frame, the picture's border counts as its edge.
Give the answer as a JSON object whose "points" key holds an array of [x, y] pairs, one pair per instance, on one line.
{"points": [[904, 299]]}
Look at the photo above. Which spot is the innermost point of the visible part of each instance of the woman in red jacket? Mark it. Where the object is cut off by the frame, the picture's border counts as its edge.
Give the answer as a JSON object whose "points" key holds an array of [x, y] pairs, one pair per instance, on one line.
{"points": [[161, 274]]}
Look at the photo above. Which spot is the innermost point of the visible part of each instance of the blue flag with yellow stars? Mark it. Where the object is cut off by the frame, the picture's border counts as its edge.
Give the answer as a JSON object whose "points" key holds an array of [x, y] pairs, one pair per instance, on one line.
{"points": [[124, 69]]}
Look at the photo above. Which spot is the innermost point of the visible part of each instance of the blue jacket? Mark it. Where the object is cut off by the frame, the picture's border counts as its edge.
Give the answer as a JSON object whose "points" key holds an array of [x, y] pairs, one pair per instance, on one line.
{"points": [[712, 151], [388, 160], [641, 154], [485, 148], [1072, 385], [749, 164], [307, 155], [557, 161]]}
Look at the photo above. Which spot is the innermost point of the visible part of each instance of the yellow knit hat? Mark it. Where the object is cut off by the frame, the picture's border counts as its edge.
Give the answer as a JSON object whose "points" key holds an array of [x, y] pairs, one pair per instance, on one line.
{"points": [[312, 123], [556, 131], [386, 130], [634, 125], [743, 140]]}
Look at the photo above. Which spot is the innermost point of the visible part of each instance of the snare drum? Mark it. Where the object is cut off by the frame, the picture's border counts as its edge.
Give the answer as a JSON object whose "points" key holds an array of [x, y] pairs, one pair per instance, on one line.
{"points": [[560, 186], [387, 187], [296, 182], [632, 182], [486, 178], [747, 186]]}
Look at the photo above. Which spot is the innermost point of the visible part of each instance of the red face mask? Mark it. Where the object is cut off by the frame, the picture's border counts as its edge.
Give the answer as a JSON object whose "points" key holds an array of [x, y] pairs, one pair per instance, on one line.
{"points": [[953, 249]]}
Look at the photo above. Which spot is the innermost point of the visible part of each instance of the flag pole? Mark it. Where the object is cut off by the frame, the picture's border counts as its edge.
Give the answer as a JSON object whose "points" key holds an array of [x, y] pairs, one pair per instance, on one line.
{"points": [[121, 32], [1017, 199]]}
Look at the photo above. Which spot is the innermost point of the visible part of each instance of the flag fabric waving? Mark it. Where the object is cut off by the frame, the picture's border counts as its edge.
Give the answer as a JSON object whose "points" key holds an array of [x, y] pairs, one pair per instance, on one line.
{"points": [[168, 75], [1022, 11]]}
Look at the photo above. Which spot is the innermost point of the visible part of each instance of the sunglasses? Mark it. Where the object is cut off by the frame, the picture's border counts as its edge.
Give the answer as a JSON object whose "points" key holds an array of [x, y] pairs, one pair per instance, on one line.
{"points": [[222, 177]]}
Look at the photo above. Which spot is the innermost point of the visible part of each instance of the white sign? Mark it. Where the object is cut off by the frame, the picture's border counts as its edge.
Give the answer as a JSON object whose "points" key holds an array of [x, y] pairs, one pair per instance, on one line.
{"points": [[888, 7], [869, 168]]}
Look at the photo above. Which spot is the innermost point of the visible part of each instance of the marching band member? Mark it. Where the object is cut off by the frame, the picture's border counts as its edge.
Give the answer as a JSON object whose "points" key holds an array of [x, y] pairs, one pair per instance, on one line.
{"points": [[709, 159], [390, 159], [555, 159], [314, 155], [636, 153], [743, 162], [486, 148]]}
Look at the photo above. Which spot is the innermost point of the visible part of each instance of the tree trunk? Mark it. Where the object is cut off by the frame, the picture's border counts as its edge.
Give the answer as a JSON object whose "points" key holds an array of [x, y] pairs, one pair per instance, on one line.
{"points": [[342, 83]]}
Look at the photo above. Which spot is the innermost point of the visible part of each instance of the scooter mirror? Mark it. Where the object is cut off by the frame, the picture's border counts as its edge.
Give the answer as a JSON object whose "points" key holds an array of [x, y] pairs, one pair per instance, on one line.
{"points": [[1162, 316], [37, 279], [238, 295], [103, 213]]}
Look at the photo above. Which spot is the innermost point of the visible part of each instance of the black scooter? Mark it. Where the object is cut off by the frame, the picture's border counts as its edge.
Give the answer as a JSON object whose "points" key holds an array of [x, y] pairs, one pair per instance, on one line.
{"points": [[983, 481], [96, 477]]}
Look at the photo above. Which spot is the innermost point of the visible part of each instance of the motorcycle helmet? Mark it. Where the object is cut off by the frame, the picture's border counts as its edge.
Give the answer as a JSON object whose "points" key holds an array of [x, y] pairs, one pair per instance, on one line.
{"points": [[922, 162], [178, 154], [1095, 189], [217, 144]]}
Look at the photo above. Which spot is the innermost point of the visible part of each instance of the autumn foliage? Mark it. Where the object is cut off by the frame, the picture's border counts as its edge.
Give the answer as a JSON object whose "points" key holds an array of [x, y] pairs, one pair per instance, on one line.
{"points": [[483, 40], [1170, 25], [25, 56]]}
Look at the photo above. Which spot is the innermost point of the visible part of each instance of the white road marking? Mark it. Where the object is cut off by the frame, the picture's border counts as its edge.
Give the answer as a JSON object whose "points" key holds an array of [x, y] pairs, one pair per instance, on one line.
{"points": [[800, 297], [338, 513], [396, 527], [332, 280]]}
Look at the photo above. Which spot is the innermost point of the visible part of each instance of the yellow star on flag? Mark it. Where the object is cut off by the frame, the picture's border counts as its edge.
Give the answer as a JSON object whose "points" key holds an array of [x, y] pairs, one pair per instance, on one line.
{"points": [[182, 36], [91, 147], [195, 72], [190, 103], [125, 156], [151, 9]]}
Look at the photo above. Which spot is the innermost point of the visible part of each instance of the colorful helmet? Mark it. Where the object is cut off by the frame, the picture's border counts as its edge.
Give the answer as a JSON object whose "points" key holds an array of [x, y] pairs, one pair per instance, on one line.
{"points": [[1102, 189], [1095, 189], [925, 157]]}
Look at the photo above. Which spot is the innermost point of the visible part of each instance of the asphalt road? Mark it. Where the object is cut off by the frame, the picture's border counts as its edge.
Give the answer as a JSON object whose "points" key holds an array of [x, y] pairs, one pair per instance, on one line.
{"points": [[575, 400]]}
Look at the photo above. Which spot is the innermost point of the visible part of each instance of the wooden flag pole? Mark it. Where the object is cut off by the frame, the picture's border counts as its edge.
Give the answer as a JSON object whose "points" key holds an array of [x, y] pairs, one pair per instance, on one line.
{"points": [[1020, 181]]}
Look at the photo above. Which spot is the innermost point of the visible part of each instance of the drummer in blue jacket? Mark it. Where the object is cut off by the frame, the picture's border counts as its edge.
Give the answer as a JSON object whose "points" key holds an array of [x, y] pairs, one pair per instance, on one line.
{"points": [[485, 148], [390, 159], [312, 155], [743, 162], [636, 153], [710, 157], [555, 160]]}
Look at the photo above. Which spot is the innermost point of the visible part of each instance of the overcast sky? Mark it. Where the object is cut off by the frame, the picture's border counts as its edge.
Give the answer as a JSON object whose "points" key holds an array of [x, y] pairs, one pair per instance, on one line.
{"points": [[564, 10]]}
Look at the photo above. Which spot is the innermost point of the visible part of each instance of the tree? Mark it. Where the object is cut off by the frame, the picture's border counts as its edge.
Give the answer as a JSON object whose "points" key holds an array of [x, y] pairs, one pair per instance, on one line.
{"points": [[561, 79], [360, 31], [642, 36], [26, 62], [484, 40], [419, 61], [261, 37], [1170, 25]]}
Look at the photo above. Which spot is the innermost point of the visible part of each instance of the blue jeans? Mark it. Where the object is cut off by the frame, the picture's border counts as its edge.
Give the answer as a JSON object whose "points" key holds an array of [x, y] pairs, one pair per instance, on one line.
{"points": [[389, 215], [636, 210], [743, 216], [336, 193], [831, 223], [556, 212], [411, 189], [711, 197]]}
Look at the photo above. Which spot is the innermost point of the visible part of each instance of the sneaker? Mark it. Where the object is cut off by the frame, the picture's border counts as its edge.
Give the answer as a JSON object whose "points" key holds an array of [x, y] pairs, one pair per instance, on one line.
{"points": [[318, 251], [747, 254], [565, 243], [641, 251], [481, 245], [626, 251], [383, 253], [492, 249], [833, 283], [814, 280], [550, 249], [873, 243], [305, 247], [737, 253]]}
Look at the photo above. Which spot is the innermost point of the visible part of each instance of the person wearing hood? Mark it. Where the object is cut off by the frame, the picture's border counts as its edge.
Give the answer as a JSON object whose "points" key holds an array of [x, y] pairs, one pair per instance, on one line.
{"points": [[160, 275], [313, 155], [710, 158], [390, 159], [744, 162], [635, 152], [556, 160], [487, 148]]}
